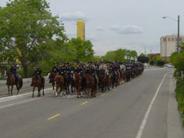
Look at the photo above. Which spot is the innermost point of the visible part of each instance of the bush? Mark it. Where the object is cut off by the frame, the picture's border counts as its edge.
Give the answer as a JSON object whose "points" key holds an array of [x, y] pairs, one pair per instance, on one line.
{"points": [[180, 96]]}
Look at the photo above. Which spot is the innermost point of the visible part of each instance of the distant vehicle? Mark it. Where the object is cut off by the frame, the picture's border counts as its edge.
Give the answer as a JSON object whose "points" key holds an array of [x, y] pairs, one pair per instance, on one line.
{"points": [[169, 66]]}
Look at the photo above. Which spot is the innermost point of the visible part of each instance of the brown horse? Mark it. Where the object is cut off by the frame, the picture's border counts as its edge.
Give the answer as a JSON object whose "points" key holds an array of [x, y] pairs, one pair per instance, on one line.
{"points": [[52, 77], [59, 81], [89, 85], [11, 81], [104, 81], [38, 82], [77, 80]]}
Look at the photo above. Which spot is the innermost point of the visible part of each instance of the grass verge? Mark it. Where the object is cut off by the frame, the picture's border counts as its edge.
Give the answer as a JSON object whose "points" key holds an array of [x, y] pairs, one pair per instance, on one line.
{"points": [[180, 97]]}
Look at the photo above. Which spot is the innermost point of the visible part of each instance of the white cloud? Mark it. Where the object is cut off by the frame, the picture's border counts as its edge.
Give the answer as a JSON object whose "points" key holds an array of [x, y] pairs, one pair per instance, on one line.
{"points": [[100, 29], [127, 29], [115, 28], [73, 16]]}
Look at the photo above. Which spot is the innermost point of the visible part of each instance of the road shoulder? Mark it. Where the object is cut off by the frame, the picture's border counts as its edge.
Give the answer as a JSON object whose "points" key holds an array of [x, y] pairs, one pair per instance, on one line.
{"points": [[175, 129]]}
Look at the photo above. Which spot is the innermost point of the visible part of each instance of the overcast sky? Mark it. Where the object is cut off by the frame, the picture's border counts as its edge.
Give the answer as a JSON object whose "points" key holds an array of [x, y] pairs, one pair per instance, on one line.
{"points": [[112, 24]]}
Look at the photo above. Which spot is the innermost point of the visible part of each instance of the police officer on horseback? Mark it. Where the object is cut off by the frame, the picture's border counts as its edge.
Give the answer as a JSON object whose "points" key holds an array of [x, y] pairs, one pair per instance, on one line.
{"points": [[37, 72], [55, 69], [13, 70]]}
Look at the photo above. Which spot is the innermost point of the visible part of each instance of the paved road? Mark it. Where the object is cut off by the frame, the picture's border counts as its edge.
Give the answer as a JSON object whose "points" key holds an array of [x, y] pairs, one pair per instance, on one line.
{"points": [[26, 87], [138, 109]]}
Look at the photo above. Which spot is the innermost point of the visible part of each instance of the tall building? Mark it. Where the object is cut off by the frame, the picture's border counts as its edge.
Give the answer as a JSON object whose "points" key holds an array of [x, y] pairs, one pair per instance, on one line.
{"points": [[168, 45], [81, 29]]}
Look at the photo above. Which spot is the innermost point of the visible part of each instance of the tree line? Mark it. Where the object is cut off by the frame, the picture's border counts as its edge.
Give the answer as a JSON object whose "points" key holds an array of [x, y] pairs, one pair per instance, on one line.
{"points": [[177, 59], [32, 36]]}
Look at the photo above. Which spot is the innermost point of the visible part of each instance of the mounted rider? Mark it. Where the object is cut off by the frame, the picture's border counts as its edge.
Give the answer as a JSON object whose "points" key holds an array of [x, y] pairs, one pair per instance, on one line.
{"points": [[13, 70], [37, 73], [54, 69]]}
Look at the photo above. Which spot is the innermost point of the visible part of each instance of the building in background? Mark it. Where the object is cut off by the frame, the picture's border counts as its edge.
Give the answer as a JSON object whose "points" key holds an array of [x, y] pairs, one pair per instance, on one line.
{"points": [[168, 45], [81, 29]]}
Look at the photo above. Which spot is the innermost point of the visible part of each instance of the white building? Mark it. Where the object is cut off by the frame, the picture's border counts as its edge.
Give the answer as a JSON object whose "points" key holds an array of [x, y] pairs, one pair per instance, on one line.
{"points": [[168, 45]]}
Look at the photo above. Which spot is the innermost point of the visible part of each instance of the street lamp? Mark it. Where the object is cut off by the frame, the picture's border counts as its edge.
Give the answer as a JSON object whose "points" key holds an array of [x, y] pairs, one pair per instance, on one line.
{"points": [[178, 29]]}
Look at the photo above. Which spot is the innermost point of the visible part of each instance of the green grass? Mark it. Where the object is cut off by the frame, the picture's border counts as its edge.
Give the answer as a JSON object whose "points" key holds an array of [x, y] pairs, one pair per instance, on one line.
{"points": [[180, 97]]}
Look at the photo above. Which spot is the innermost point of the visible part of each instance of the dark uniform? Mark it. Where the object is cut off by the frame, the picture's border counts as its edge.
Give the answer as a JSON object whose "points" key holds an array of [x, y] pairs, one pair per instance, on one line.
{"points": [[13, 70], [37, 73], [55, 69]]}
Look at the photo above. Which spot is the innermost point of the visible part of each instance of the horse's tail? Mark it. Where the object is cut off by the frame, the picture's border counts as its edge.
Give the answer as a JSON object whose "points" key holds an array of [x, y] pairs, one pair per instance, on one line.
{"points": [[20, 83], [43, 83]]}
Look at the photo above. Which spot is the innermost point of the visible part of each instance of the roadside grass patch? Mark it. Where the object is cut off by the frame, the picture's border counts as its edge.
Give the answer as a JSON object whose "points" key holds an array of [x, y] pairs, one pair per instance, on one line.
{"points": [[180, 97]]}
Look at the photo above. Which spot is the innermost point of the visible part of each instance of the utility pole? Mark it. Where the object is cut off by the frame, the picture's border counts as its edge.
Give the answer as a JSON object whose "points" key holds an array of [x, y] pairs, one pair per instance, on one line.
{"points": [[178, 31], [178, 36]]}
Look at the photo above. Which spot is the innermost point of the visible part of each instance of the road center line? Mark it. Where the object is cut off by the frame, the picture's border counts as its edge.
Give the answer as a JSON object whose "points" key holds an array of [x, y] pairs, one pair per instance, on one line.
{"points": [[84, 103], [11, 98], [145, 119], [18, 103], [54, 116]]}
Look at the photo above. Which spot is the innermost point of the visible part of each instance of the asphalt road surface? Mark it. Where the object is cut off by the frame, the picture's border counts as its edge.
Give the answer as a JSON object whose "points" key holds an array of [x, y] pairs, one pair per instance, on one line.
{"points": [[137, 109], [26, 87]]}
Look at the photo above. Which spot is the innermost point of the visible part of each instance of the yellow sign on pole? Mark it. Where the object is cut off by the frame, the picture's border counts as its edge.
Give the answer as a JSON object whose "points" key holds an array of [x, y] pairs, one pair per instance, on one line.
{"points": [[81, 29]]}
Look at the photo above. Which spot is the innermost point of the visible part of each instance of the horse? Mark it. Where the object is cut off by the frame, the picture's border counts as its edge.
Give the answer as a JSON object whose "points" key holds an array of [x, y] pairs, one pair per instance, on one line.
{"points": [[38, 82], [69, 83], [11, 81], [89, 85], [59, 81], [104, 80], [77, 81], [52, 77]]}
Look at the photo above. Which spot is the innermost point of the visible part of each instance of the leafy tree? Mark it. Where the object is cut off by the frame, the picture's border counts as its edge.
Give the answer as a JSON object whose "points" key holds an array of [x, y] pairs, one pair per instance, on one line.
{"points": [[27, 27], [143, 58], [177, 59], [120, 55], [133, 54], [83, 50]]}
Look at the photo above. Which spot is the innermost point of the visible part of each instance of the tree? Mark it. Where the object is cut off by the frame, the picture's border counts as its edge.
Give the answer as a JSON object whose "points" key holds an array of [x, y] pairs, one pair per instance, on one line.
{"points": [[177, 59], [182, 46], [120, 55], [27, 27], [83, 50], [133, 54], [143, 59]]}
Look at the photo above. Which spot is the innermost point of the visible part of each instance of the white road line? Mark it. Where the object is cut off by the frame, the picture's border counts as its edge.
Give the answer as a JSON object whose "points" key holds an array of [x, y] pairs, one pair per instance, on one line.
{"points": [[145, 119], [152, 69], [10, 98], [84, 103], [54, 116], [18, 103]]}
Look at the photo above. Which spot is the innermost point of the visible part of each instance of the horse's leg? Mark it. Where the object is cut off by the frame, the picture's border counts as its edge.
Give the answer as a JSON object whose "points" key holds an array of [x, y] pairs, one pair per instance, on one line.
{"points": [[53, 85], [39, 92], [33, 91], [56, 92], [17, 85], [43, 92], [38, 95], [11, 89], [78, 91], [60, 89]]}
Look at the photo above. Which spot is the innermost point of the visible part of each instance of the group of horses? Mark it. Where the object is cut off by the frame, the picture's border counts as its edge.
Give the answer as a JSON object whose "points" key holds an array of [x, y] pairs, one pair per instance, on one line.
{"points": [[84, 83], [12, 80], [92, 78]]}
